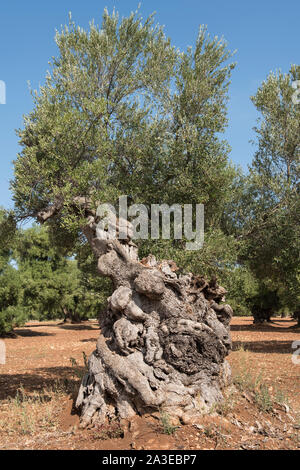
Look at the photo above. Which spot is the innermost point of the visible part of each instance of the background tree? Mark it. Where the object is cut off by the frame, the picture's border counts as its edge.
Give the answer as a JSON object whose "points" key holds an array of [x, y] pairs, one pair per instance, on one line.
{"points": [[39, 282], [11, 312], [49, 281], [265, 212]]}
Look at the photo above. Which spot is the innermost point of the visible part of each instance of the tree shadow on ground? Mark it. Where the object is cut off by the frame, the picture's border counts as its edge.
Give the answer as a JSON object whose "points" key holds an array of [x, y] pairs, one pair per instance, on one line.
{"points": [[78, 327], [282, 325], [278, 347], [28, 332], [40, 325], [43, 382]]}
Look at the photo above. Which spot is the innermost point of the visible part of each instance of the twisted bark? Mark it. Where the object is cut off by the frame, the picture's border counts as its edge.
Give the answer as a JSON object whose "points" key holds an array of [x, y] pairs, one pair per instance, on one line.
{"points": [[163, 342]]}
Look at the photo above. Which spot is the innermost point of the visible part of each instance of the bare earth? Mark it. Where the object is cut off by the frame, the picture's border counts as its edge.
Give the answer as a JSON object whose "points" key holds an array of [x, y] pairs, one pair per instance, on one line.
{"points": [[39, 382]]}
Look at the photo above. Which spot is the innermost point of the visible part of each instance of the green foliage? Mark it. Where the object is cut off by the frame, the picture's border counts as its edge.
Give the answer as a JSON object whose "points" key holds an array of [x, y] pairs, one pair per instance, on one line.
{"points": [[242, 286], [217, 257], [53, 286], [8, 229], [166, 424], [38, 282], [11, 317], [265, 298], [97, 289], [124, 112], [47, 279], [264, 212], [87, 109], [12, 314]]}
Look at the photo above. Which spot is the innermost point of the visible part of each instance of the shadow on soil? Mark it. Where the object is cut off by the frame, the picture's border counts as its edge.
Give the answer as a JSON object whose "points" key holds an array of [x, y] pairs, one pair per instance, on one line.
{"points": [[78, 327], [39, 325], [43, 382], [277, 325], [27, 329], [278, 347], [28, 332]]}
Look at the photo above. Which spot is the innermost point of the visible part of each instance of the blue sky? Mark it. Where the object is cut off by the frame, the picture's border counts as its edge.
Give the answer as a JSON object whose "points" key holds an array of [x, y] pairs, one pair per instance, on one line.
{"points": [[265, 34]]}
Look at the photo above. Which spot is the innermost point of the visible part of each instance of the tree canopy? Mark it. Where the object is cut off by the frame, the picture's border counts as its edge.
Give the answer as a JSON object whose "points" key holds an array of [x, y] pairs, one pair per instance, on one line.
{"points": [[124, 112], [266, 210]]}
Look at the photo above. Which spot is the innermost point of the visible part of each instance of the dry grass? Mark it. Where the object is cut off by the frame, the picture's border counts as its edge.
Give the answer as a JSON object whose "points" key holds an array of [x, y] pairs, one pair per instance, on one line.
{"points": [[29, 414], [255, 385], [46, 361]]}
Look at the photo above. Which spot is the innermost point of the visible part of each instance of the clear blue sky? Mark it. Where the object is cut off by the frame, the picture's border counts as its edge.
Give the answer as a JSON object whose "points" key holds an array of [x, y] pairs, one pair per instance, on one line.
{"points": [[264, 32]]}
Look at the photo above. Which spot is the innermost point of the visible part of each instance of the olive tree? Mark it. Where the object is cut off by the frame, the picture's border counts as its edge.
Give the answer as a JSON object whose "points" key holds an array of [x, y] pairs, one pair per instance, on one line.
{"points": [[124, 112]]}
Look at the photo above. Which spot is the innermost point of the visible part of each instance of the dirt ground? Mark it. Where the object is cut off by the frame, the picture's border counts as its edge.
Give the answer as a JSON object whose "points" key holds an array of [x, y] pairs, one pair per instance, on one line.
{"points": [[44, 363]]}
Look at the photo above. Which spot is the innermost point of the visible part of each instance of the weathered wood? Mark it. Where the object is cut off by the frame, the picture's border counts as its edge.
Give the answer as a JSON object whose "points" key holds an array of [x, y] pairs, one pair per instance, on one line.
{"points": [[163, 342]]}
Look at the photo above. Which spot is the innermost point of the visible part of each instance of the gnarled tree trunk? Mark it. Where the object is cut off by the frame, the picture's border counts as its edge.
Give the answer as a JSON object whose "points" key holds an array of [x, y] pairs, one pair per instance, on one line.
{"points": [[163, 342]]}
